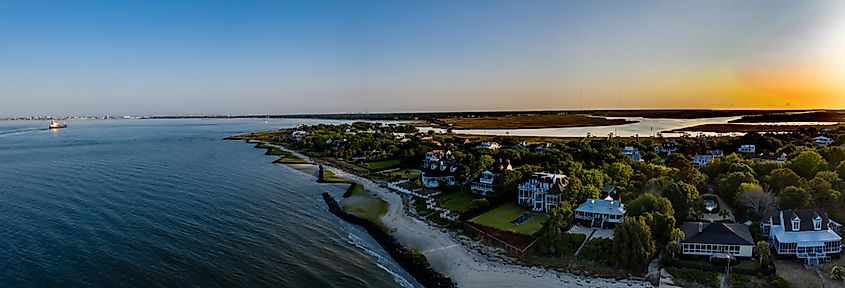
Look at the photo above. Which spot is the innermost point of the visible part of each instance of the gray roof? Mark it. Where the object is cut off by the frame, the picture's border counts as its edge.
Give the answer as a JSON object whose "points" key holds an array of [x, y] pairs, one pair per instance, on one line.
{"points": [[602, 206], [717, 233], [806, 216]]}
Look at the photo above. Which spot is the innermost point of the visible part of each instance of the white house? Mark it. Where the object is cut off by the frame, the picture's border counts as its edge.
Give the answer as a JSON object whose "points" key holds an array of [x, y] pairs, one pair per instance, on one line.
{"points": [[716, 239], [747, 148], [437, 173], [600, 213], [807, 234], [542, 191], [489, 145], [483, 185], [701, 160], [632, 152], [668, 148], [298, 135], [770, 158], [823, 140]]}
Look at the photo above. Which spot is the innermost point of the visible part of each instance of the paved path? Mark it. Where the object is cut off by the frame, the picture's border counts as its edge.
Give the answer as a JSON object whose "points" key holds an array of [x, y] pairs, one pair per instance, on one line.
{"points": [[821, 277]]}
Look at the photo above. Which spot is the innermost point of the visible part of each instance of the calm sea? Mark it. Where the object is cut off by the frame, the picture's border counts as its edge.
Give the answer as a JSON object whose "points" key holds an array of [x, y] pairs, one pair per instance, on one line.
{"points": [[168, 203]]}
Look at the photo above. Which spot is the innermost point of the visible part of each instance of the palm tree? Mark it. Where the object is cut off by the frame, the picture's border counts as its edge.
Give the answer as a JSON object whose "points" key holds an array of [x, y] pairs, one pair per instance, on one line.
{"points": [[762, 249], [676, 236]]}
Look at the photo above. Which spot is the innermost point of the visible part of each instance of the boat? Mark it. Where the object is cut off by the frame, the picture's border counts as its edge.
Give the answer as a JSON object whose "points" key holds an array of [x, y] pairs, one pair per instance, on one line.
{"points": [[57, 125]]}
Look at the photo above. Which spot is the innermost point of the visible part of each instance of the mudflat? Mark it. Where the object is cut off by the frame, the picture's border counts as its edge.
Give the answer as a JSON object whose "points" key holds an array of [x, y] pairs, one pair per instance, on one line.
{"points": [[532, 121]]}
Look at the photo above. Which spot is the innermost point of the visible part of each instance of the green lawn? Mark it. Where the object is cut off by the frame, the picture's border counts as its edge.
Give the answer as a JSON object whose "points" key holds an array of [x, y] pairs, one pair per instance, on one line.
{"points": [[329, 177], [501, 217], [276, 152], [363, 204], [412, 173], [290, 159], [383, 165], [457, 201]]}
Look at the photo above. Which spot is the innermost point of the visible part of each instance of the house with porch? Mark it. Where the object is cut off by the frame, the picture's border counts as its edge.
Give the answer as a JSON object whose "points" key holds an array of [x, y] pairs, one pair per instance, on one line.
{"points": [[483, 184], [542, 191], [716, 240], [667, 148], [701, 160], [438, 173], [600, 213], [806, 234]]}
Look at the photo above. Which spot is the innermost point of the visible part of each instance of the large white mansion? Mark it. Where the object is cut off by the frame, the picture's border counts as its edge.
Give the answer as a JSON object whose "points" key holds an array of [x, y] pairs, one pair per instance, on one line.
{"points": [[542, 191]]}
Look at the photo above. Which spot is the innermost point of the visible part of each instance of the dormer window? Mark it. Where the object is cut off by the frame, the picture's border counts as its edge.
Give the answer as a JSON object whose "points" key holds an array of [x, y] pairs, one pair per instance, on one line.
{"points": [[796, 224], [817, 223]]}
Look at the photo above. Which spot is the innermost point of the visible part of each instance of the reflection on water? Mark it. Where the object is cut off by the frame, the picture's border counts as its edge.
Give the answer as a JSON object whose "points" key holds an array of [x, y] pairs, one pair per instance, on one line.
{"points": [[645, 127]]}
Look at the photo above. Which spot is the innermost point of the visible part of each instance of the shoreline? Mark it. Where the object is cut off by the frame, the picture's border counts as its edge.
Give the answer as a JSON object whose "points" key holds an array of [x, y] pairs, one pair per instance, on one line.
{"points": [[467, 262]]}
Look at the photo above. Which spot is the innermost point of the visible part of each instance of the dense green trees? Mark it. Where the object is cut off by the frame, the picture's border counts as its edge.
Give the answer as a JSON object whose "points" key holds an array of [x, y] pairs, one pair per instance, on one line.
{"points": [[793, 197], [683, 198], [781, 178], [632, 244], [554, 241], [648, 203], [729, 185], [807, 163]]}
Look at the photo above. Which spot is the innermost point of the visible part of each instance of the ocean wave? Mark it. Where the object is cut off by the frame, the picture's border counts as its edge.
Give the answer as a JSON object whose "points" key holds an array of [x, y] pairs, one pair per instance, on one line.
{"points": [[355, 240]]}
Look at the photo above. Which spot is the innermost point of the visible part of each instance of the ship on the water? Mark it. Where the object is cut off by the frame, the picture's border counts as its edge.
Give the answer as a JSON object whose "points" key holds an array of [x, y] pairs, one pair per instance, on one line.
{"points": [[57, 125]]}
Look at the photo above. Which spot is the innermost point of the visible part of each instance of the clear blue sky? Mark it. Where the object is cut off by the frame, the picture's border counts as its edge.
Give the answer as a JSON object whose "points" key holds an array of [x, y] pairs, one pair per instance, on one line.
{"points": [[233, 57]]}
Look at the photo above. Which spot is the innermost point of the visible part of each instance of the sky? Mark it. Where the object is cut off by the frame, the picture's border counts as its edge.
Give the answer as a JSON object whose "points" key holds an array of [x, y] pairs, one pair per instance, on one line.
{"points": [[170, 57]]}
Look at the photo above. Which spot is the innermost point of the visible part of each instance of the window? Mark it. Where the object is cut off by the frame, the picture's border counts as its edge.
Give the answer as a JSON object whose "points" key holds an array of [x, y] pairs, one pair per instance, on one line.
{"points": [[817, 224], [796, 223]]}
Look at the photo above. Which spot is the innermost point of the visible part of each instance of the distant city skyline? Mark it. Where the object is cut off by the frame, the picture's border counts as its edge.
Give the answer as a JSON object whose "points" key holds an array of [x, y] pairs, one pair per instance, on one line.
{"points": [[288, 57]]}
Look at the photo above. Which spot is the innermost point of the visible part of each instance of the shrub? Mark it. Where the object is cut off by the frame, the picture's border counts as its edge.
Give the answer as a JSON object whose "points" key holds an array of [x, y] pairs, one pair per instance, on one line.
{"points": [[837, 273], [776, 281], [597, 250], [695, 276], [559, 244], [740, 281]]}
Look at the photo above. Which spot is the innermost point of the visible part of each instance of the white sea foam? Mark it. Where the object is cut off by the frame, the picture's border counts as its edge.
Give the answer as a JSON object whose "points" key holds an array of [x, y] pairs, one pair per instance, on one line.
{"points": [[355, 240]]}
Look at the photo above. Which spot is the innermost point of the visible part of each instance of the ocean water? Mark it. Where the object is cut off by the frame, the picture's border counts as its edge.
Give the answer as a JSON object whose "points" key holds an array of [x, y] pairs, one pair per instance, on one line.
{"points": [[168, 203]]}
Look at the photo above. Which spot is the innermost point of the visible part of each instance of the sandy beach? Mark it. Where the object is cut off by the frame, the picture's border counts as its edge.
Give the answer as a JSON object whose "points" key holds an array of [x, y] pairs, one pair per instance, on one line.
{"points": [[462, 259]]}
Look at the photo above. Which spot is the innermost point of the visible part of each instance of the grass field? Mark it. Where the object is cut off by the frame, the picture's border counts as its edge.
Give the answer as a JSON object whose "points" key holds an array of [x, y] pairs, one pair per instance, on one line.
{"points": [[383, 165], [290, 159], [329, 177], [457, 201], [501, 217], [363, 204]]}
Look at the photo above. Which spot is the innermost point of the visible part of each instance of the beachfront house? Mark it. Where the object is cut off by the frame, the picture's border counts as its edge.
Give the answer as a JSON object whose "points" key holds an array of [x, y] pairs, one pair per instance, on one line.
{"points": [[771, 157], [439, 173], [483, 184], [701, 160], [600, 213], [542, 191], [633, 153], [489, 145], [823, 140], [806, 234], [720, 240], [747, 148]]}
